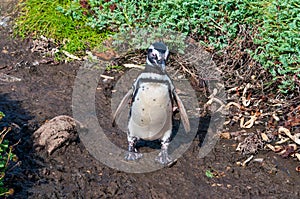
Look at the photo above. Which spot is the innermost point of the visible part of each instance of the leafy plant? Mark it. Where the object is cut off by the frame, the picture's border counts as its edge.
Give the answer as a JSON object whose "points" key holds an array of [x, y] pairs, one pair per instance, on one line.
{"points": [[1, 115], [279, 41], [142, 38], [114, 67], [6, 156], [216, 23], [78, 24], [209, 174]]}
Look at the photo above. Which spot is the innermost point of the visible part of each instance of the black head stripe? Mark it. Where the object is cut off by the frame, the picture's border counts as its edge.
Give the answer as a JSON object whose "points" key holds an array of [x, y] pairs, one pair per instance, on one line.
{"points": [[159, 46]]}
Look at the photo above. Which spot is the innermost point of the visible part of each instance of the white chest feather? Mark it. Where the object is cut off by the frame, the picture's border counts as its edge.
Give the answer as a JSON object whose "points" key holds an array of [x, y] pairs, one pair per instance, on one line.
{"points": [[151, 111]]}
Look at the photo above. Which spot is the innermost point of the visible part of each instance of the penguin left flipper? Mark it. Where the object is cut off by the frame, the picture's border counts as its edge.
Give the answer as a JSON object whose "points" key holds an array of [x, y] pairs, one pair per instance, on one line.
{"points": [[183, 114], [125, 101]]}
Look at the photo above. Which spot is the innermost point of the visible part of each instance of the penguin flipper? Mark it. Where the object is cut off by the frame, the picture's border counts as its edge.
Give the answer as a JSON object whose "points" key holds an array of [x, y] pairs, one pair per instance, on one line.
{"points": [[183, 115], [125, 101]]}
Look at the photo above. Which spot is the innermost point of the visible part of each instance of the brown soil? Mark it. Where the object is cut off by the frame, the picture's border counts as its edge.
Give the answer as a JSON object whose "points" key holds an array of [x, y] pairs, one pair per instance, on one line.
{"points": [[45, 91]]}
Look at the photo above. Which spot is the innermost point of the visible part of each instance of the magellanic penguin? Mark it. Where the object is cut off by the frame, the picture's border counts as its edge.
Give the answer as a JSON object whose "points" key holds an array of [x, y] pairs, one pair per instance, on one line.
{"points": [[152, 99]]}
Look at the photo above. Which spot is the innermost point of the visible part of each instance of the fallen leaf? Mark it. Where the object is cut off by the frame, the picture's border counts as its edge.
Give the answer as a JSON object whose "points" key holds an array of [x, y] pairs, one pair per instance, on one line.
{"points": [[298, 156], [225, 135], [4, 51], [209, 174], [270, 147], [265, 137]]}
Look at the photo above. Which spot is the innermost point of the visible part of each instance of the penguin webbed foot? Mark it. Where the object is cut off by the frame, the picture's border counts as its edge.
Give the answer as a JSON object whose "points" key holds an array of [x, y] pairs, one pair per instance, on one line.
{"points": [[131, 156], [132, 153], [163, 157]]}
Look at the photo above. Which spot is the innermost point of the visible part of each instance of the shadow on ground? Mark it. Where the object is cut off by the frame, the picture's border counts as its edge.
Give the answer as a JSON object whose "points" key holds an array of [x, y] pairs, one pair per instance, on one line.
{"points": [[21, 175]]}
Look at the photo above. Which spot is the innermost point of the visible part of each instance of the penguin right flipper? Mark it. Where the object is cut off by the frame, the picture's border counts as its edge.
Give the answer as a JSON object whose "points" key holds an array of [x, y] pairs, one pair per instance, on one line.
{"points": [[125, 101], [183, 114]]}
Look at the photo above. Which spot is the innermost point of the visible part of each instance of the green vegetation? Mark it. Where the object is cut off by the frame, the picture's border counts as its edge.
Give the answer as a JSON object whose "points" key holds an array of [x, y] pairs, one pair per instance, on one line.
{"points": [[69, 30], [217, 21], [114, 67], [209, 174], [1, 115], [274, 25], [279, 40], [6, 155]]}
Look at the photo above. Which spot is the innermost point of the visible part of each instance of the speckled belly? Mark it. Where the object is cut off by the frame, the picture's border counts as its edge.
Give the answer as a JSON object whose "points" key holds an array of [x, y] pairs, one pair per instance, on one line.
{"points": [[151, 112]]}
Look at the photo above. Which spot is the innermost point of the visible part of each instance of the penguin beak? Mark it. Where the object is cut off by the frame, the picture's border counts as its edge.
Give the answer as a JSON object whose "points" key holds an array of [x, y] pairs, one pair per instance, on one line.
{"points": [[162, 61], [163, 64]]}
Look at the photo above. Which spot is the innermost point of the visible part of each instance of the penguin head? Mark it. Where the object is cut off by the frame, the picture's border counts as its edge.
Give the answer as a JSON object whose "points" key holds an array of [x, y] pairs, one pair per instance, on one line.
{"points": [[157, 55]]}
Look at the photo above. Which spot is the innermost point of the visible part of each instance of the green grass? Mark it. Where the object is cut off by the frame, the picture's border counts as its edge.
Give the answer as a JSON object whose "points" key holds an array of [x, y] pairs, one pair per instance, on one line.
{"points": [[69, 31], [274, 26]]}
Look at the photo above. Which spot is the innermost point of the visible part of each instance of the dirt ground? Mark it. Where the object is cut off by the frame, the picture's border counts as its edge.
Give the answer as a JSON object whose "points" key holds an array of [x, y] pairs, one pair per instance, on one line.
{"points": [[45, 91]]}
